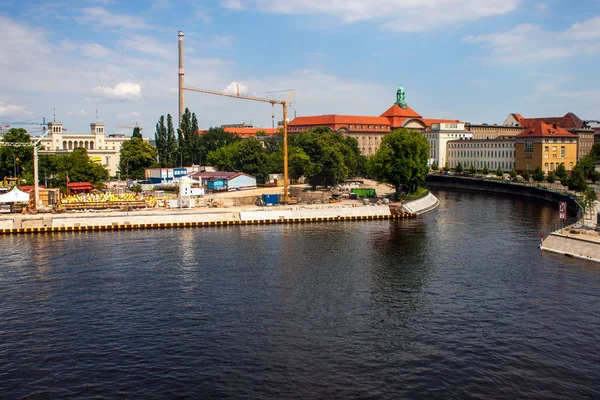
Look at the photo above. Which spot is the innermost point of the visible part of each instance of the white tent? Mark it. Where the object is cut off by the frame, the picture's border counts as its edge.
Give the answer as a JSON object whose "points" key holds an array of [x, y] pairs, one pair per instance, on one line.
{"points": [[15, 196]]}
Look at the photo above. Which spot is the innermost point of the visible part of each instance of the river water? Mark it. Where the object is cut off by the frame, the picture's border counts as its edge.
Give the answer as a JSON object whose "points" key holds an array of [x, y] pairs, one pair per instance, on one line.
{"points": [[458, 303]]}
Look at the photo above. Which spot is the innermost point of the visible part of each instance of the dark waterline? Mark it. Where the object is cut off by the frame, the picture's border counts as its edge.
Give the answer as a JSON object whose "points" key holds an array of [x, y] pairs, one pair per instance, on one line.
{"points": [[458, 303]]}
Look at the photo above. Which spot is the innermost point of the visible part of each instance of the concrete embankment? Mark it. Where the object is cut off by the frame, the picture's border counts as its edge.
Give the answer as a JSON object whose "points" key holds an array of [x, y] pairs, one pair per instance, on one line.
{"points": [[71, 222], [479, 185], [206, 217], [576, 244]]}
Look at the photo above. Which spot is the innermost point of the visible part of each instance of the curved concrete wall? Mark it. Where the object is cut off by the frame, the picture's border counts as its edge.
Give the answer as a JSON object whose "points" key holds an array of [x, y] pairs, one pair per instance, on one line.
{"points": [[478, 185]]}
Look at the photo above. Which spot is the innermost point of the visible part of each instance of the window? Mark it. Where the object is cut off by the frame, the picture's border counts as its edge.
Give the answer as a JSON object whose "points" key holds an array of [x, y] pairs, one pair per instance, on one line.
{"points": [[562, 151], [553, 148], [528, 145], [546, 148], [528, 166], [570, 166]]}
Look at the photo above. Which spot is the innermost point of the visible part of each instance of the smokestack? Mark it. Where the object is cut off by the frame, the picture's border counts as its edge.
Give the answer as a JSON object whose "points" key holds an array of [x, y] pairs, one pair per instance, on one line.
{"points": [[181, 77]]}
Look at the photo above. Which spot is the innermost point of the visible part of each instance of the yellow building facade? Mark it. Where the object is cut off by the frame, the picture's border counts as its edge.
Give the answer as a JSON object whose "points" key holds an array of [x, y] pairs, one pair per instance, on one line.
{"points": [[547, 146]]}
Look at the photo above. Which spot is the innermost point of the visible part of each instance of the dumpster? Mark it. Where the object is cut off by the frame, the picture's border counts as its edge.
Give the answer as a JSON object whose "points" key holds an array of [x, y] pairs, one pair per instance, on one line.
{"points": [[271, 199], [362, 192]]}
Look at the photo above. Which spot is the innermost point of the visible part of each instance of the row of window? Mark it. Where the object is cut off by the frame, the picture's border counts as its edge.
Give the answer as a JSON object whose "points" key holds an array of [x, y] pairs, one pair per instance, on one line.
{"points": [[483, 153], [481, 145], [550, 166]]}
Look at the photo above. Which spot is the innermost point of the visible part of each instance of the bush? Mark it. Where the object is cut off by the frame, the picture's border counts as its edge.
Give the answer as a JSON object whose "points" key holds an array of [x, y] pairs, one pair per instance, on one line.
{"points": [[538, 174], [499, 172], [485, 170], [513, 173], [551, 178], [526, 175], [459, 168], [434, 166], [472, 169]]}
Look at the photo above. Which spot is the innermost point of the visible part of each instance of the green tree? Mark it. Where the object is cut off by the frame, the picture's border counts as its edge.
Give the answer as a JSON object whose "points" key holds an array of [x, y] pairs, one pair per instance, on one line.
{"points": [[212, 140], [589, 198], [538, 174], [401, 160], [15, 160], [333, 157], [459, 168], [472, 169], [160, 138], [595, 152], [526, 175], [513, 173], [434, 166], [136, 157], [172, 149], [551, 178], [247, 156], [577, 181], [446, 167], [137, 132], [561, 174], [499, 172], [485, 169]]}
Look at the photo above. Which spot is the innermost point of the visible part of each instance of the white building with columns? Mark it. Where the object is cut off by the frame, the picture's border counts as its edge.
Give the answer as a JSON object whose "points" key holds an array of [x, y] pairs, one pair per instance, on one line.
{"points": [[101, 148]]}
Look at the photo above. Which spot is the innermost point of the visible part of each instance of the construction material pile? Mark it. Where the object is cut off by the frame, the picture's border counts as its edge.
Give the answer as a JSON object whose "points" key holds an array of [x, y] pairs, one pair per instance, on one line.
{"points": [[87, 201]]}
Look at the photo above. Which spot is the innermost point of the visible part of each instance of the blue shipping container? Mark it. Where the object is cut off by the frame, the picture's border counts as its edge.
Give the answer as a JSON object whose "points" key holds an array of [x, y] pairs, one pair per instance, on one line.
{"points": [[271, 199]]}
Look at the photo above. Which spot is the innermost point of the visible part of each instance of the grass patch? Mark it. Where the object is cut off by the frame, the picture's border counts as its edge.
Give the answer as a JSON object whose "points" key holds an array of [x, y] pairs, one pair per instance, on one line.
{"points": [[420, 193]]}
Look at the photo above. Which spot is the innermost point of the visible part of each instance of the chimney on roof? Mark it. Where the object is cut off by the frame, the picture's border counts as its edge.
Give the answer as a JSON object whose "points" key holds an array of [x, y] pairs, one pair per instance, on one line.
{"points": [[555, 126]]}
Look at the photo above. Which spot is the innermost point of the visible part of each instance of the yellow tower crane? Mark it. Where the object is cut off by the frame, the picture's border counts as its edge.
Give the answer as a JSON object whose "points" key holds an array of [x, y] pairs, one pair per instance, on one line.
{"points": [[285, 103]]}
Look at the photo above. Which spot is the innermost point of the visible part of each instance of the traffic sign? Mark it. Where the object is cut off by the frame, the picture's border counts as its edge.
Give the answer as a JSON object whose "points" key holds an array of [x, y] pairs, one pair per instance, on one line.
{"points": [[562, 210]]}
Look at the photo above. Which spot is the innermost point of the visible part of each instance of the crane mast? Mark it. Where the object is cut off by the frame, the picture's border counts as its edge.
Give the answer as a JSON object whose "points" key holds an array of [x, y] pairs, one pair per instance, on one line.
{"points": [[285, 103]]}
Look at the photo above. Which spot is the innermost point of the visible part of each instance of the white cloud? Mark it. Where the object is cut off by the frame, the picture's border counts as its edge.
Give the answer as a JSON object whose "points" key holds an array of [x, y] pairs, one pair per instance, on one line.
{"points": [[94, 50], [121, 91], [235, 5], [11, 110], [80, 112], [542, 7], [148, 45], [234, 86], [589, 29], [100, 17], [530, 43], [397, 15], [217, 42]]}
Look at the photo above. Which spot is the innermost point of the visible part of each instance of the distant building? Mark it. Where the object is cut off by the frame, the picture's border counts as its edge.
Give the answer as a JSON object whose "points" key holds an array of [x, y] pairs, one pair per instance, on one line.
{"points": [[369, 130], [98, 145], [487, 131], [247, 132], [4, 129], [167, 176], [547, 146], [221, 180], [439, 135], [570, 122], [481, 153]]}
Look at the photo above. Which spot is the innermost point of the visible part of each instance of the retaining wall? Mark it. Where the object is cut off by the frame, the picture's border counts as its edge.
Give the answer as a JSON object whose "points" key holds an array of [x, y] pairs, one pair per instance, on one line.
{"points": [[471, 184]]}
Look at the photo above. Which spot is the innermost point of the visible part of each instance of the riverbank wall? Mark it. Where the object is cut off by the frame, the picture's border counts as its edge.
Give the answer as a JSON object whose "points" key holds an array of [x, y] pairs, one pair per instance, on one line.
{"points": [[207, 217], [500, 187], [573, 244]]}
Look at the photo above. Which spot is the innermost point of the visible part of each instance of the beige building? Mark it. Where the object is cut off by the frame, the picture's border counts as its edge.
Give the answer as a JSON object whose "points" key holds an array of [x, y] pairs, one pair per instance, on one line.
{"points": [[440, 134], [485, 131], [546, 146], [101, 148], [481, 153]]}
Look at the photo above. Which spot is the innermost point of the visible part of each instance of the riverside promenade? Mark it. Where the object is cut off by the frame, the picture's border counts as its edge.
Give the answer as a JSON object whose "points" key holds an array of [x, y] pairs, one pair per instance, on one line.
{"points": [[207, 217]]}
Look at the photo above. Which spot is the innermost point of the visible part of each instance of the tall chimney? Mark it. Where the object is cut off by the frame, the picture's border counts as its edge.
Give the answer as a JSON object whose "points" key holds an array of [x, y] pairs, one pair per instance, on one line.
{"points": [[181, 77]]}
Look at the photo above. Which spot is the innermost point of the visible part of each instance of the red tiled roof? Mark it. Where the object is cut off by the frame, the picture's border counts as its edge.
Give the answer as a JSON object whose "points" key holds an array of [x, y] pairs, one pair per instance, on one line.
{"points": [[568, 121], [335, 119], [29, 188], [248, 132], [398, 112], [541, 129]]}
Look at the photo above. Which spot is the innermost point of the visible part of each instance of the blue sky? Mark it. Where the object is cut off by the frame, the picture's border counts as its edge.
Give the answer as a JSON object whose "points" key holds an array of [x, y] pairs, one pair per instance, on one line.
{"points": [[473, 60]]}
